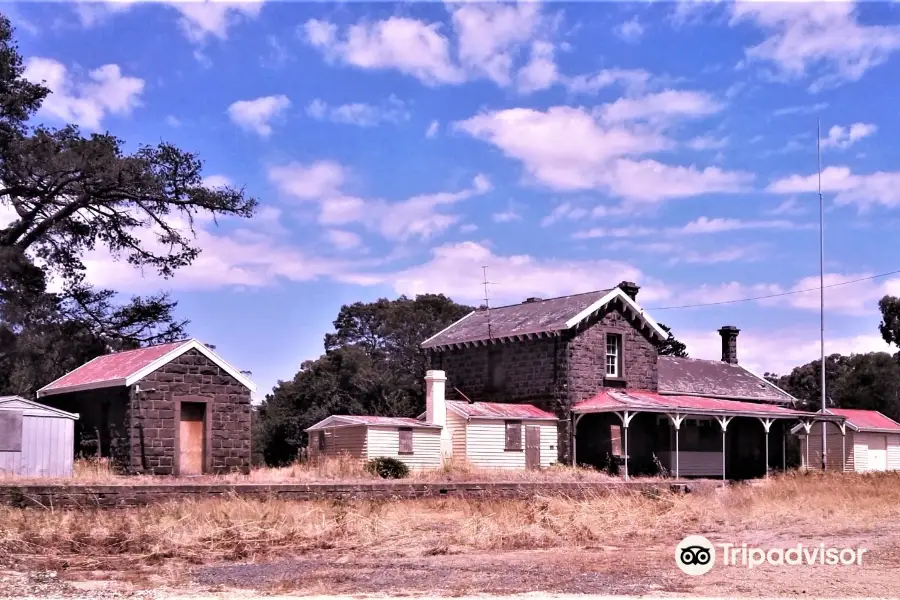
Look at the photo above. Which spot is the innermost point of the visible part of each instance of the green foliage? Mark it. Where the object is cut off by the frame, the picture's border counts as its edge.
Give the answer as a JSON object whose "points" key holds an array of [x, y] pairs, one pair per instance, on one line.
{"points": [[387, 467], [670, 346], [868, 381], [372, 365], [890, 319], [72, 194]]}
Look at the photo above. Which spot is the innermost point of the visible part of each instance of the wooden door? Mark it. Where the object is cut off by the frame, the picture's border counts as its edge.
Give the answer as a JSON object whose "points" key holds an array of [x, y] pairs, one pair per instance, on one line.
{"points": [[532, 447], [191, 438]]}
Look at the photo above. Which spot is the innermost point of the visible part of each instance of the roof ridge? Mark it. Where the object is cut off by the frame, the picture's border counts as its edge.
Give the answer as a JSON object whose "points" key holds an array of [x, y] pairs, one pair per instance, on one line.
{"points": [[606, 290]]}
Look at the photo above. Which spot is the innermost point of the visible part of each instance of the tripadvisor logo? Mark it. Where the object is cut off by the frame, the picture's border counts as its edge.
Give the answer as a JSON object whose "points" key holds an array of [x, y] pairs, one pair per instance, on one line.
{"points": [[696, 555]]}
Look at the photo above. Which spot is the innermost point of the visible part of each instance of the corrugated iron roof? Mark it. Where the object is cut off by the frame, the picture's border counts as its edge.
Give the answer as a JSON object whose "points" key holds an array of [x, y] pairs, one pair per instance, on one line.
{"points": [[112, 367], [497, 410], [613, 399], [128, 367], [866, 420], [357, 420], [540, 316], [697, 377]]}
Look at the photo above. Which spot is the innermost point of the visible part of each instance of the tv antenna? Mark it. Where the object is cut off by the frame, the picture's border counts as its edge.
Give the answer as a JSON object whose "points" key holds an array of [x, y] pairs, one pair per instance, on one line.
{"points": [[487, 301]]}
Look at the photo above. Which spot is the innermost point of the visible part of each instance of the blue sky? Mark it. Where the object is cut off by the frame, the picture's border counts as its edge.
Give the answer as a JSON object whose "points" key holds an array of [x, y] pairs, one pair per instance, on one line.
{"points": [[398, 148]]}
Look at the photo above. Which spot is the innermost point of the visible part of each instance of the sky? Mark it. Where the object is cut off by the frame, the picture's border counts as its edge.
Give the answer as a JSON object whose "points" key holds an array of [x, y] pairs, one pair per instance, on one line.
{"points": [[399, 148]]}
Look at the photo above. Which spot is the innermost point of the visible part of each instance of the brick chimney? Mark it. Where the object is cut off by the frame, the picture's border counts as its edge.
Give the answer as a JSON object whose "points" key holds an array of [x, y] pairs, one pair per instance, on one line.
{"points": [[630, 288], [729, 335]]}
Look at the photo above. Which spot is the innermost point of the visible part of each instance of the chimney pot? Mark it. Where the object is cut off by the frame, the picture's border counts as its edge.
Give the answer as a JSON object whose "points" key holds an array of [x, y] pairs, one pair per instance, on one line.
{"points": [[630, 288], [729, 335], [533, 299]]}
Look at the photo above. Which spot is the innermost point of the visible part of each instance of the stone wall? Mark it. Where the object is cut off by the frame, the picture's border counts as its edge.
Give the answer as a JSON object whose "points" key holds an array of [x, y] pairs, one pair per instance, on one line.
{"points": [[529, 371], [123, 496], [153, 419]]}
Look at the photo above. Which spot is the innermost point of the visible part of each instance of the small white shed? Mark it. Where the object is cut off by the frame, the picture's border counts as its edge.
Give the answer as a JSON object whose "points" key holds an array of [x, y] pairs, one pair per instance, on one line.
{"points": [[870, 442], [35, 440], [365, 437]]}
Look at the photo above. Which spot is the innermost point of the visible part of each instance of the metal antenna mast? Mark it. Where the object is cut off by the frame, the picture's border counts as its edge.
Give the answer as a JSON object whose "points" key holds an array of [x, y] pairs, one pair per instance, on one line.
{"points": [[487, 302], [821, 286]]}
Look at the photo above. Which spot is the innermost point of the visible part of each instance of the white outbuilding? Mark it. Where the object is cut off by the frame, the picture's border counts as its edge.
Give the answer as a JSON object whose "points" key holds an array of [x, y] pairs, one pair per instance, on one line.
{"points": [[867, 441], [488, 435], [35, 440]]}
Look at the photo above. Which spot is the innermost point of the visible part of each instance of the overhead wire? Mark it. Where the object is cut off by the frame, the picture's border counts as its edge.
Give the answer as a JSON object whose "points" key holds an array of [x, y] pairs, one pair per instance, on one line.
{"points": [[780, 294]]}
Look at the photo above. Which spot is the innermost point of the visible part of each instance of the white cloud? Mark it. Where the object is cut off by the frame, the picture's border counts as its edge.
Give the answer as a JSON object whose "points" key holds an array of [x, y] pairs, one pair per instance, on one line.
{"points": [[659, 106], [489, 34], [630, 31], [864, 191], [312, 181], [614, 232], [507, 216], [789, 206], [821, 40], [343, 240], [84, 101], [433, 129], [707, 142], [844, 137], [173, 121], [457, 269], [564, 210], [246, 256], [718, 225], [217, 181], [540, 73], [630, 79], [779, 350], [257, 115], [410, 46], [92, 13], [359, 113], [200, 20], [803, 109], [569, 149]]}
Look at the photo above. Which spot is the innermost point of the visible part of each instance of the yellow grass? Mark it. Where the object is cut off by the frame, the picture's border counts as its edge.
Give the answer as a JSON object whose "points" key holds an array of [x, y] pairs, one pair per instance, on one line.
{"points": [[330, 469], [235, 528]]}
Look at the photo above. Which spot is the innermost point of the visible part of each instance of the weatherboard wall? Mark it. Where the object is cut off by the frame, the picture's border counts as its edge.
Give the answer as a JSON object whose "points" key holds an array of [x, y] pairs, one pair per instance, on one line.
{"points": [[426, 444], [46, 442], [486, 444], [340, 441]]}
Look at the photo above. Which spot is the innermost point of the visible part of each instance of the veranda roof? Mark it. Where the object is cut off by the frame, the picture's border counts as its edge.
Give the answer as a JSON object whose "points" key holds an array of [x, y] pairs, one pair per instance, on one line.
{"points": [[615, 400]]}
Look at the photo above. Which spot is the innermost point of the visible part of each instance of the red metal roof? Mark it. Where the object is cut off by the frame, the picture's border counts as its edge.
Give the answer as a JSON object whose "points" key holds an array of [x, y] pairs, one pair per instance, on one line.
{"points": [[498, 410], [357, 420], [866, 419], [614, 399], [112, 368]]}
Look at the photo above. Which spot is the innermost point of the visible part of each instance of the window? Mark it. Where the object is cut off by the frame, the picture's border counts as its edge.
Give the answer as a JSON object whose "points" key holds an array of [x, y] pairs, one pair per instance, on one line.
{"points": [[321, 440], [496, 372], [513, 435], [613, 355], [406, 440], [615, 440]]}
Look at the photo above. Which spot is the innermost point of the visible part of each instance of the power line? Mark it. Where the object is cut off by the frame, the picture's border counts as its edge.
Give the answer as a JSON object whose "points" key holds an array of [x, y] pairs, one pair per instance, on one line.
{"points": [[779, 295]]}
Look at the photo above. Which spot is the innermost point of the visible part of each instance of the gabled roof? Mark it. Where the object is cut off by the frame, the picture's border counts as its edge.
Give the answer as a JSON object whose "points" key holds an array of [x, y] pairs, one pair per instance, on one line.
{"points": [[335, 421], [866, 420], [717, 379], [535, 318], [32, 408], [128, 367], [497, 410], [612, 400]]}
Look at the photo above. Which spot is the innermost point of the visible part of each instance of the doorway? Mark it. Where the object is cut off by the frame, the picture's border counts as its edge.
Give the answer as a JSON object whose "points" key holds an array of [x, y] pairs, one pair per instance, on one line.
{"points": [[532, 447], [192, 438]]}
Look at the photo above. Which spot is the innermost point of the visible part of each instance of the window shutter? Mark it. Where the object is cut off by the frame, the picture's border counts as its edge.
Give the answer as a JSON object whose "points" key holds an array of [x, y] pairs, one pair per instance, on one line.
{"points": [[406, 440], [615, 438], [513, 435]]}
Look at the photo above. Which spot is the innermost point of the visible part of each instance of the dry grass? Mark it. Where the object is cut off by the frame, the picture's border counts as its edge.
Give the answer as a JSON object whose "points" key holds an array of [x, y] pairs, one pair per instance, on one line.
{"points": [[331, 469], [235, 528]]}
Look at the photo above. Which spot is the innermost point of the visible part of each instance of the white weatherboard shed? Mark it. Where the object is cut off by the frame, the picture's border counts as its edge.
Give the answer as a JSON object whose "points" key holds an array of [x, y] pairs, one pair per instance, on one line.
{"points": [[35, 440], [486, 434], [869, 441]]}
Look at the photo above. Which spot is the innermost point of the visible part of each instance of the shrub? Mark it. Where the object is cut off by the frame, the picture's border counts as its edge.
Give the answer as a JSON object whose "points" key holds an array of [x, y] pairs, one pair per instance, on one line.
{"points": [[387, 467]]}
